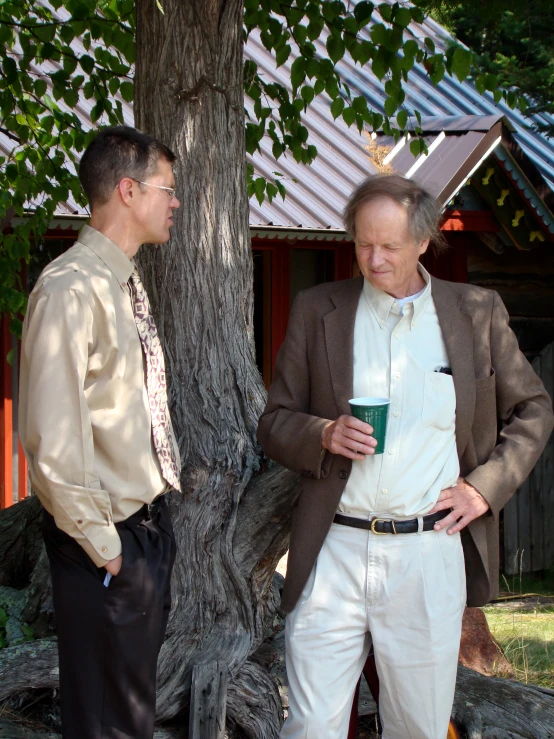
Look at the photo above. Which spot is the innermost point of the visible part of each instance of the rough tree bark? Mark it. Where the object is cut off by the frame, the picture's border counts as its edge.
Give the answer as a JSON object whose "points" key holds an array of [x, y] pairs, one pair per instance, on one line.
{"points": [[189, 94]]}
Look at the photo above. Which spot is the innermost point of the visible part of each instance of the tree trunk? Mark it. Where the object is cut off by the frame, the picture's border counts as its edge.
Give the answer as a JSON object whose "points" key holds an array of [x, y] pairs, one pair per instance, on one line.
{"points": [[492, 708], [189, 94]]}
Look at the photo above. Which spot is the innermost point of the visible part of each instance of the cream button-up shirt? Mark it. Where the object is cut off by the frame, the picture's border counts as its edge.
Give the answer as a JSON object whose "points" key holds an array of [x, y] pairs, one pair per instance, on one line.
{"points": [[84, 414], [398, 347]]}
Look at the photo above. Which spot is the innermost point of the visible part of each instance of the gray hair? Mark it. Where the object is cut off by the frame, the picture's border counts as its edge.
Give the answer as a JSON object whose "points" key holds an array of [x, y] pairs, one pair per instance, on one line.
{"points": [[422, 208], [118, 152]]}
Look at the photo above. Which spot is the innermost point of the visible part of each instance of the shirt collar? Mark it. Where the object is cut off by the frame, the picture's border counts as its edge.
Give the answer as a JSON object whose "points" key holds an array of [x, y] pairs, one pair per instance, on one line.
{"points": [[382, 304], [112, 256]]}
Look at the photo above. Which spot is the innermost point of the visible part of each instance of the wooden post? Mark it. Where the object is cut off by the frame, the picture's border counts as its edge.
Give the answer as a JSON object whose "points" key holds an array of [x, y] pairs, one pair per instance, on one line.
{"points": [[6, 417], [208, 701]]}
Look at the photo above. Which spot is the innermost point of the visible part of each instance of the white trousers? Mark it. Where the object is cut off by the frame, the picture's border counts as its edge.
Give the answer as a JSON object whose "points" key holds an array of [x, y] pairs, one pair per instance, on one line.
{"points": [[406, 593]]}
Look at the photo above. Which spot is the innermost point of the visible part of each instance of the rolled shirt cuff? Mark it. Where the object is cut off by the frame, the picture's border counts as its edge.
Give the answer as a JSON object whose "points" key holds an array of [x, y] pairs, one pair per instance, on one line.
{"points": [[102, 545]]}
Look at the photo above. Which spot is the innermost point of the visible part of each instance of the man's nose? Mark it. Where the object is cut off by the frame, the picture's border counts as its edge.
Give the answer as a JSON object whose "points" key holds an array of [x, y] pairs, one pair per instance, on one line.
{"points": [[376, 257], [174, 202]]}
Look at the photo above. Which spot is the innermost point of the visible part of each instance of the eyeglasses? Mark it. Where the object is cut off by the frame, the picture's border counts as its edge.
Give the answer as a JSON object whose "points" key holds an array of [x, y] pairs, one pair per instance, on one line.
{"points": [[169, 190]]}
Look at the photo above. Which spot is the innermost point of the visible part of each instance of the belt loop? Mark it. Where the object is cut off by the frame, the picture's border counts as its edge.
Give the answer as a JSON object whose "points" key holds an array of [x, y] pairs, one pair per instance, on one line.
{"points": [[419, 524]]}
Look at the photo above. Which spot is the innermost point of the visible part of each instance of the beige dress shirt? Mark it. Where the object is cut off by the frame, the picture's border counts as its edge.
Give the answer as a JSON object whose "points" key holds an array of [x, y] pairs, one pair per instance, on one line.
{"points": [[397, 349], [84, 414]]}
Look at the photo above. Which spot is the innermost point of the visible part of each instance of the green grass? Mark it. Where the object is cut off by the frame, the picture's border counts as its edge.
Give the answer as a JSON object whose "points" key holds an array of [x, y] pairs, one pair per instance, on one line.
{"points": [[526, 633], [541, 583]]}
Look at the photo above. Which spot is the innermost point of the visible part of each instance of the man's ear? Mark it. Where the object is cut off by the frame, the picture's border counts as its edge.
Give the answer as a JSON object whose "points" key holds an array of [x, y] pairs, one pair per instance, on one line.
{"points": [[423, 246], [126, 191]]}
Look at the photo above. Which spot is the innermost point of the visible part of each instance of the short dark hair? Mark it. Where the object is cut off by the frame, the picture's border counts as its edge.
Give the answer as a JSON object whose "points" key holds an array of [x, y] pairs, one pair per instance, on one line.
{"points": [[118, 152], [423, 209]]}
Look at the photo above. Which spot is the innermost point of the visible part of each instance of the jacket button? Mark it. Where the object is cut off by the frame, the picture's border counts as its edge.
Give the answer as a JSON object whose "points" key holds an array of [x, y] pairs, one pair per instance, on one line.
{"points": [[79, 520], [343, 474]]}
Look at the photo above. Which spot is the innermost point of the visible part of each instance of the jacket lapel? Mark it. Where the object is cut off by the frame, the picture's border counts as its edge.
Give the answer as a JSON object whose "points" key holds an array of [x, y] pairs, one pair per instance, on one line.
{"points": [[457, 332], [339, 339]]}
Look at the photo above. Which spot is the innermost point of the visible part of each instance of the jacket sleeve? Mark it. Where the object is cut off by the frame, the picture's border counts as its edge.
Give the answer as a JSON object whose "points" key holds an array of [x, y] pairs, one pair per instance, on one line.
{"points": [[287, 432], [525, 417]]}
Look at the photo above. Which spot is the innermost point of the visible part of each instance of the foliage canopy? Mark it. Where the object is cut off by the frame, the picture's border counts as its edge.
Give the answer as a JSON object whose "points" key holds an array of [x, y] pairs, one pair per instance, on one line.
{"points": [[55, 54]]}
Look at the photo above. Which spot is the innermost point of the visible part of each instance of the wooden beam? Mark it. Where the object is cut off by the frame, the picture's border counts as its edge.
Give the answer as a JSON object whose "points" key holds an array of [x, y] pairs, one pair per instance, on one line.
{"points": [[6, 418], [208, 701], [470, 220]]}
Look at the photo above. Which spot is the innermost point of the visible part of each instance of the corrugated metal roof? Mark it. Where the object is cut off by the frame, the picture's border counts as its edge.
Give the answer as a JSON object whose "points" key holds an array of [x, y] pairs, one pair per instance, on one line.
{"points": [[316, 194]]}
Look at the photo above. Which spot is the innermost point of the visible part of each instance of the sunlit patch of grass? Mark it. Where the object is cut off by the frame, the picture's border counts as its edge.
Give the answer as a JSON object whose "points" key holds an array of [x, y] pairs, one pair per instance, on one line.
{"points": [[526, 636]]}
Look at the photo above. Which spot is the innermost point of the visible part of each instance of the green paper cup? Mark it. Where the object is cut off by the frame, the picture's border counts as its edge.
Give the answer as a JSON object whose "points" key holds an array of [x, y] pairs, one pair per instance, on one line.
{"points": [[374, 411]]}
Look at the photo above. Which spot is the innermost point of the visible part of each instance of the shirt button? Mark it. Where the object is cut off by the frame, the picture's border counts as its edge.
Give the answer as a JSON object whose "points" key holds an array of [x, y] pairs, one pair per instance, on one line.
{"points": [[384, 491], [79, 520], [396, 414], [123, 284], [397, 374], [396, 336], [391, 451], [104, 549]]}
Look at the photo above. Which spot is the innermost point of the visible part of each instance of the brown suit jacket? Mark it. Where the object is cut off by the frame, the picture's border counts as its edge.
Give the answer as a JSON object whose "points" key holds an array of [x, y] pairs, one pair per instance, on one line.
{"points": [[503, 416]]}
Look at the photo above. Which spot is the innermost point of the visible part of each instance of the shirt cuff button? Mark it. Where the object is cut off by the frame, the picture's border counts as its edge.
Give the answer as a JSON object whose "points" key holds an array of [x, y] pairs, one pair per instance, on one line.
{"points": [[104, 549]]}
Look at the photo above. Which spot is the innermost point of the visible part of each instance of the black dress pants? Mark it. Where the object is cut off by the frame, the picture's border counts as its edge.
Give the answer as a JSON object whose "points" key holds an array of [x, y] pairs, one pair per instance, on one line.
{"points": [[109, 637]]}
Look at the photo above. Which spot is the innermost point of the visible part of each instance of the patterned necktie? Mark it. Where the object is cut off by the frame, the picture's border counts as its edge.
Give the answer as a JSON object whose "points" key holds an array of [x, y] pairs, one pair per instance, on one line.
{"points": [[155, 381]]}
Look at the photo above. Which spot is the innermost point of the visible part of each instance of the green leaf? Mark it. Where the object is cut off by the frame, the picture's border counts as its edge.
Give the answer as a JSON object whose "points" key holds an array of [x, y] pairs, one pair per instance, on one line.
{"points": [[319, 86], [391, 104], [379, 69], [437, 72], [461, 63], [40, 87], [71, 97], [403, 17], [416, 147], [298, 72], [10, 70], [271, 191], [45, 33], [378, 34], [417, 15], [365, 52], [430, 44], [402, 119], [127, 91], [480, 84], [349, 116], [282, 54], [337, 106], [315, 27], [87, 63], [360, 105], [335, 48], [363, 11], [307, 94], [385, 11], [259, 189], [3, 618]]}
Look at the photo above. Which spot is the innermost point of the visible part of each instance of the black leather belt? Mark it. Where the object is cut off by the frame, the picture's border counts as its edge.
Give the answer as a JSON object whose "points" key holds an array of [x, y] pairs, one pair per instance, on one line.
{"points": [[391, 526]]}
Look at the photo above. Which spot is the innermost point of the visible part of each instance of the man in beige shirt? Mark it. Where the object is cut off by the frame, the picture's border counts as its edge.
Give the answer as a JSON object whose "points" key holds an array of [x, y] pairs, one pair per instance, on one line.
{"points": [[96, 431], [381, 544]]}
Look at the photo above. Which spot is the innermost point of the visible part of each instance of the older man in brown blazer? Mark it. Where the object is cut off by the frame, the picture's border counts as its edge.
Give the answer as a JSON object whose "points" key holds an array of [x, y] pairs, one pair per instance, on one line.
{"points": [[378, 542]]}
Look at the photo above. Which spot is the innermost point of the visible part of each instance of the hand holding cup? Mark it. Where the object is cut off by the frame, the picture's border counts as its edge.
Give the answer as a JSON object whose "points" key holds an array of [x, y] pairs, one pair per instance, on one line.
{"points": [[349, 437]]}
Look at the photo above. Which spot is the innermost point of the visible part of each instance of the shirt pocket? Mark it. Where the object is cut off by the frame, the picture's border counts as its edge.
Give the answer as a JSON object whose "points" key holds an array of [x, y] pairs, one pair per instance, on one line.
{"points": [[439, 401]]}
